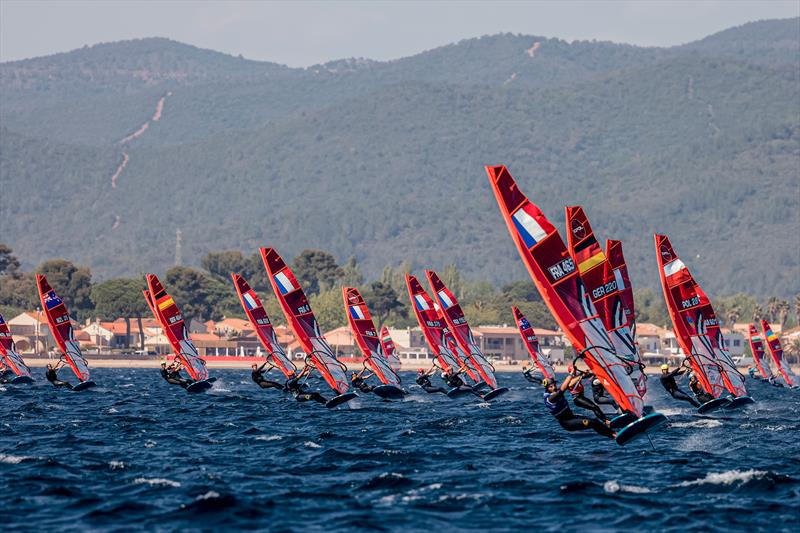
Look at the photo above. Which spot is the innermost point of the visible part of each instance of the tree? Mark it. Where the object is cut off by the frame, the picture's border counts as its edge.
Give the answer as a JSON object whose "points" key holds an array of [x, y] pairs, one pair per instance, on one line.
{"points": [[73, 284], [221, 264], [523, 290], [8, 263], [351, 273], [382, 300], [18, 291], [198, 295], [316, 271], [329, 309], [783, 312], [121, 298]]}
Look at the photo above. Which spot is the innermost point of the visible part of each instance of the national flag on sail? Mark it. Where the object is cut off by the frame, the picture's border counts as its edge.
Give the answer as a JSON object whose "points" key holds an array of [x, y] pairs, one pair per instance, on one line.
{"points": [[249, 301], [422, 305], [591, 261], [51, 300], [527, 227], [524, 324], [445, 299], [673, 267], [163, 304], [357, 312], [285, 284], [770, 335]]}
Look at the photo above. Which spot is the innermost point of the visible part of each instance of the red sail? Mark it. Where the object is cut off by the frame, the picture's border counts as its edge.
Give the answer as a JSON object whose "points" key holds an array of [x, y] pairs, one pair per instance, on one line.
{"points": [[367, 337], [695, 323], [454, 316], [776, 351], [603, 286], [171, 320], [532, 344], [8, 352], [619, 272], [556, 276], [433, 326], [759, 355], [260, 321], [61, 328], [301, 319], [389, 349]]}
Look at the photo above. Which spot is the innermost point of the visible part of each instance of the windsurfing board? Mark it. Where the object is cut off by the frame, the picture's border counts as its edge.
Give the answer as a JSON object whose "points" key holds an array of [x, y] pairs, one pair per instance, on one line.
{"points": [[21, 380], [495, 393], [388, 392], [739, 401], [457, 392], [83, 385], [339, 400], [202, 385], [713, 405], [640, 427], [622, 420]]}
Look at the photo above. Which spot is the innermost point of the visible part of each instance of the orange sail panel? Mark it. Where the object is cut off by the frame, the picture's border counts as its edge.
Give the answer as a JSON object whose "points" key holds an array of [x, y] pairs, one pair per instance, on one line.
{"points": [[8, 352], [389, 349], [776, 351], [169, 316], [61, 328], [301, 319], [603, 283], [532, 344], [260, 321], [454, 316], [433, 326], [759, 353], [367, 337], [695, 323], [556, 277]]}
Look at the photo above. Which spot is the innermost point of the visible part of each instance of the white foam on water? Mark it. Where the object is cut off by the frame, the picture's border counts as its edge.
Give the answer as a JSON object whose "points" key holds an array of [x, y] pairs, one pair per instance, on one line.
{"points": [[703, 424], [116, 465], [269, 437], [14, 459], [513, 420], [775, 428], [311, 444], [156, 482], [613, 487], [725, 478], [149, 444], [111, 410], [207, 496]]}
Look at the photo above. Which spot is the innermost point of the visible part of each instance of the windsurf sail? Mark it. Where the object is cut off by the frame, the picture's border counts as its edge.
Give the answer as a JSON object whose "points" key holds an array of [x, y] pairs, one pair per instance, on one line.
{"points": [[367, 337], [301, 319], [556, 277], [603, 284], [171, 320], [457, 322], [260, 321], [696, 326], [8, 352], [61, 328], [389, 349], [532, 344], [759, 355], [433, 327], [776, 351]]}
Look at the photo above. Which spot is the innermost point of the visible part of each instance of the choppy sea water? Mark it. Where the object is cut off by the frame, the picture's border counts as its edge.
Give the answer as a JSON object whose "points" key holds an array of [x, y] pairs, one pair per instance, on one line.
{"points": [[138, 454]]}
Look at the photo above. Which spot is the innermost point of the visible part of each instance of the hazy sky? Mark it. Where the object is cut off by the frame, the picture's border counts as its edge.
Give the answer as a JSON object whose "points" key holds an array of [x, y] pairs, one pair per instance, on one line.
{"points": [[304, 33]]}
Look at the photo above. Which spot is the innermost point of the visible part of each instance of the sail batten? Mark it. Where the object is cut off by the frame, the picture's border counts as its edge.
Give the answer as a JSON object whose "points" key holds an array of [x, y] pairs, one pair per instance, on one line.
{"points": [[531, 343], [366, 336]]}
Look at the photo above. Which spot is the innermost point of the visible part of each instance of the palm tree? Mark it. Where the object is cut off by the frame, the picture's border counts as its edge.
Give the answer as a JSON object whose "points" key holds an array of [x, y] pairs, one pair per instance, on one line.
{"points": [[797, 309], [783, 312], [757, 313], [732, 316], [792, 351], [772, 308]]}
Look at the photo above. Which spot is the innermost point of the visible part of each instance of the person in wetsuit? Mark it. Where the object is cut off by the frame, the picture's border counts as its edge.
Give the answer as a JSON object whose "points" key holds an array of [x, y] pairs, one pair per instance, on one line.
{"points": [[258, 377], [531, 376], [599, 395], [557, 404], [6, 375], [454, 381], [576, 389], [298, 389], [358, 381], [668, 382], [751, 371], [424, 381], [174, 375], [697, 389], [52, 376]]}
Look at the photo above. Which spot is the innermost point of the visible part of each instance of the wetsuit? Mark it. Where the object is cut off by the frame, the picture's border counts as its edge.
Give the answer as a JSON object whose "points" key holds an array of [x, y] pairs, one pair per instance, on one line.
{"points": [[669, 384], [585, 403], [6, 376], [530, 376], [557, 404], [424, 381], [599, 396], [174, 377], [300, 394], [454, 381], [698, 391], [261, 381], [52, 377], [359, 383]]}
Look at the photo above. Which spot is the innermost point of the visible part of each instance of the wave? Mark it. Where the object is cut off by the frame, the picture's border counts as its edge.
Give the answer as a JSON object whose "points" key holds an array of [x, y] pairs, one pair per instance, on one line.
{"points": [[726, 478], [269, 437], [156, 482], [702, 424], [613, 487], [15, 459]]}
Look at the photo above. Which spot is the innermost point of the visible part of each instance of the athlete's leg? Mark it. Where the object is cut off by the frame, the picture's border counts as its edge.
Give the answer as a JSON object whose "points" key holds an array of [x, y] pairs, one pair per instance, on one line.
{"points": [[585, 403], [680, 395]]}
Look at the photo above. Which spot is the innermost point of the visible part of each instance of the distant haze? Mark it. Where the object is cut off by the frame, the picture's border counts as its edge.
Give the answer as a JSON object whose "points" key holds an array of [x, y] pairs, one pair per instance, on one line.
{"points": [[306, 33]]}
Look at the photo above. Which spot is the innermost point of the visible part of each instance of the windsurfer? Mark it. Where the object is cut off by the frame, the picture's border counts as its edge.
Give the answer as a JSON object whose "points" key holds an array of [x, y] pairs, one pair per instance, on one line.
{"points": [[531, 375], [174, 374], [599, 395], [52, 376], [358, 380], [557, 404], [6, 374], [454, 381], [697, 389], [298, 389], [668, 382], [258, 377], [576, 389], [424, 381], [751, 371]]}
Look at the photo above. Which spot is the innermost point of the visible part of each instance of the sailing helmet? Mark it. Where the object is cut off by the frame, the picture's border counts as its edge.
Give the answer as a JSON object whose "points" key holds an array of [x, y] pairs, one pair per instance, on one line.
{"points": [[596, 382], [420, 371], [665, 367], [547, 382], [570, 369]]}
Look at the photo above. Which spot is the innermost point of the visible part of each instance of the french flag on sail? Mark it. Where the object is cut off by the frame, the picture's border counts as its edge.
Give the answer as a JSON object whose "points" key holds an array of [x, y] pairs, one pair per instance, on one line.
{"points": [[673, 267], [249, 301], [357, 312], [527, 227], [285, 285], [422, 305], [445, 299]]}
